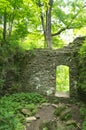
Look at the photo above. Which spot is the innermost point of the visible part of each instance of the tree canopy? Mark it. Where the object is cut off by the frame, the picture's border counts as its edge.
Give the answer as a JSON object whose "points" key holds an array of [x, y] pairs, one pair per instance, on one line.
{"points": [[40, 23]]}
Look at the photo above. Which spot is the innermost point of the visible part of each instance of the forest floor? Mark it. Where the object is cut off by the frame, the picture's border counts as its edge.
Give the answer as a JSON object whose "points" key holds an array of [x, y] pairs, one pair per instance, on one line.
{"points": [[59, 116]]}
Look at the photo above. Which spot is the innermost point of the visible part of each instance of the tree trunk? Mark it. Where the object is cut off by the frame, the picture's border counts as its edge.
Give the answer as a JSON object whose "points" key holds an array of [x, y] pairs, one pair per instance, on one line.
{"points": [[10, 28], [43, 26], [4, 25], [48, 25]]}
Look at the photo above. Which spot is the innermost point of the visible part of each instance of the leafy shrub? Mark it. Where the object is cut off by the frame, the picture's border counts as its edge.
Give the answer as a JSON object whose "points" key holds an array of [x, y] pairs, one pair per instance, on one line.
{"points": [[1, 83], [84, 125], [82, 71], [58, 110], [83, 115], [66, 116], [11, 117]]}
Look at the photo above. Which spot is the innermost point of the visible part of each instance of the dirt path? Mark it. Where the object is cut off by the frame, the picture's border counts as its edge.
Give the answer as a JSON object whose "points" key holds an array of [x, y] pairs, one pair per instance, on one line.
{"points": [[45, 114]]}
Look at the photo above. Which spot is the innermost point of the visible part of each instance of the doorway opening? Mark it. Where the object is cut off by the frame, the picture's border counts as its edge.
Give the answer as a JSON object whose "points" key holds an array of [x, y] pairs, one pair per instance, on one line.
{"points": [[62, 81]]}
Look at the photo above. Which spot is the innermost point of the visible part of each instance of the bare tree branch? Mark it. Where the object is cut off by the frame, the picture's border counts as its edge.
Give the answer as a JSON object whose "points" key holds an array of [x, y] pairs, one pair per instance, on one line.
{"points": [[68, 26], [60, 31]]}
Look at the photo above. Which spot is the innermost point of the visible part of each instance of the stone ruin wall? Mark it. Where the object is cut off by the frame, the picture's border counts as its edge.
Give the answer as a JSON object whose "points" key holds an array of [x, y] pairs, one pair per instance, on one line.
{"points": [[37, 69], [38, 72]]}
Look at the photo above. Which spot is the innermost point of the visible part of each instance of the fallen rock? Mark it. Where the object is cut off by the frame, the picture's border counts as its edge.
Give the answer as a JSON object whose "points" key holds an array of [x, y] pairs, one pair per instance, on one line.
{"points": [[46, 104], [28, 124], [25, 111], [71, 122], [79, 126], [61, 105], [37, 116], [30, 119], [55, 105]]}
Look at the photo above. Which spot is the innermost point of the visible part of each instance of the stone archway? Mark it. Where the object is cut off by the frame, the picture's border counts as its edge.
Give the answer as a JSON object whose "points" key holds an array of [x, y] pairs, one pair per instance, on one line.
{"points": [[62, 81]]}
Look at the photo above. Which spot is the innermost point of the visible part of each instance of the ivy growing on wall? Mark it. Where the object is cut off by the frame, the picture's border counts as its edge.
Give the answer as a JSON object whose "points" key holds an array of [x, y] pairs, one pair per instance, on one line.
{"points": [[82, 70]]}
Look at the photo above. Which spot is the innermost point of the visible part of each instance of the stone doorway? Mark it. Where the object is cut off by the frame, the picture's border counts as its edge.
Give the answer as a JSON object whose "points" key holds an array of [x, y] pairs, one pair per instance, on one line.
{"points": [[62, 81]]}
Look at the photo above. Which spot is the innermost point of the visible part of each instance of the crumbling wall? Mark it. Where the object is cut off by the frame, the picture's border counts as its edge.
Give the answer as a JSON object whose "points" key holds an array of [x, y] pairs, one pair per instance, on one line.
{"points": [[37, 69]]}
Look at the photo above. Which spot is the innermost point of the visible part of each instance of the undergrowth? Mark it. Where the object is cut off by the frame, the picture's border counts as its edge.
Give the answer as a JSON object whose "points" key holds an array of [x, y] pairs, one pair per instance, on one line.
{"points": [[11, 117], [83, 115]]}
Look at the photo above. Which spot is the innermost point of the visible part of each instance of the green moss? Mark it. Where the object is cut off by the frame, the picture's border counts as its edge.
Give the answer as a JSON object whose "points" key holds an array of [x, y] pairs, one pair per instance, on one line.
{"points": [[82, 71]]}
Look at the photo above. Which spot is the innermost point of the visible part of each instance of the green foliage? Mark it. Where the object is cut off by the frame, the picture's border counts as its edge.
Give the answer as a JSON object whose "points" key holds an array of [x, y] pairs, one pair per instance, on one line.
{"points": [[7, 52], [83, 115], [23, 20], [1, 83], [66, 116], [58, 110], [32, 41], [45, 128], [82, 51], [58, 42], [11, 117], [82, 68], [9, 122], [84, 125], [70, 127], [28, 98], [62, 78]]}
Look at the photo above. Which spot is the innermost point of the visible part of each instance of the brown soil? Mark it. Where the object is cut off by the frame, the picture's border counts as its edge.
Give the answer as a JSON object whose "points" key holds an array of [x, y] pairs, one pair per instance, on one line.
{"points": [[45, 114]]}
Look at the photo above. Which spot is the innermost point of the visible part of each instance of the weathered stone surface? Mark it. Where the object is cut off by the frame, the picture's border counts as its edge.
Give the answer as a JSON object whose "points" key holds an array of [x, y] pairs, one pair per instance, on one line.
{"points": [[25, 111], [29, 119], [55, 105], [38, 74], [37, 116], [45, 104], [71, 122]]}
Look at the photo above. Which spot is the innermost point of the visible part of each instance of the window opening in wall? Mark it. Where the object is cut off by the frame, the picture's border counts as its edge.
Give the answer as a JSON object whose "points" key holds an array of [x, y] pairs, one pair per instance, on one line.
{"points": [[62, 81]]}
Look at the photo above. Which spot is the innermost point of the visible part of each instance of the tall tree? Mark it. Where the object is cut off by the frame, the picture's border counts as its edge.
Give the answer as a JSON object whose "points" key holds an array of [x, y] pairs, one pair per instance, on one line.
{"points": [[47, 23], [48, 18], [58, 16]]}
